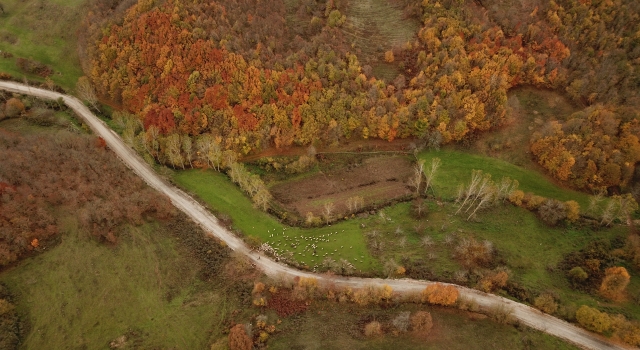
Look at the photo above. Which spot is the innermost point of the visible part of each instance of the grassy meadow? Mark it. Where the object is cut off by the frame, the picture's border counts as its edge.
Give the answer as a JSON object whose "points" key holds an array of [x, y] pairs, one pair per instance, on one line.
{"points": [[456, 168], [86, 294], [345, 239], [44, 31]]}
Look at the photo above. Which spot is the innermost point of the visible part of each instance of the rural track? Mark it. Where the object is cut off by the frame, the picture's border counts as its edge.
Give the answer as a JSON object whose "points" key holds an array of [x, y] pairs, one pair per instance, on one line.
{"points": [[522, 313]]}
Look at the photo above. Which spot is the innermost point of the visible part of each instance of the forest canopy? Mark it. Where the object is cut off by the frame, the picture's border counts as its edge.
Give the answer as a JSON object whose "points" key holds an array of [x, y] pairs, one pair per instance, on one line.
{"points": [[247, 76]]}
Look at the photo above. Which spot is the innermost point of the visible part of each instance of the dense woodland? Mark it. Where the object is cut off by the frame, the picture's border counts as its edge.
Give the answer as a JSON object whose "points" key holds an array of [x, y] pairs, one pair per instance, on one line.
{"points": [[44, 175], [248, 77]]}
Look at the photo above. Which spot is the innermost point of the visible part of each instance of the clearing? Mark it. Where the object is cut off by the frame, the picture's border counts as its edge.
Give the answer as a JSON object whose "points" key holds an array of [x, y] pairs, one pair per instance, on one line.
{"points": [[376, 26]]}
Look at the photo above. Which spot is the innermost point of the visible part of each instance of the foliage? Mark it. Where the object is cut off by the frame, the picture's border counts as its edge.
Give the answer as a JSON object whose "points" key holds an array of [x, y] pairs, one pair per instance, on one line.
{"points": [[592, 319], [440, 294], [238, 338], [13, 107], [283, 303], [68, 170], [373, 329], [615, 282], [546, 303], [552, 211], [421, 322], [401, 322], [9, 321], [253, 87], [594, 149], [472, 253]]}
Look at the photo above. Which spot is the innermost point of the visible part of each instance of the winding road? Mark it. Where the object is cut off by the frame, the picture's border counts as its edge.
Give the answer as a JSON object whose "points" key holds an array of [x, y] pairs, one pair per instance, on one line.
{"points": [[522, 313]]}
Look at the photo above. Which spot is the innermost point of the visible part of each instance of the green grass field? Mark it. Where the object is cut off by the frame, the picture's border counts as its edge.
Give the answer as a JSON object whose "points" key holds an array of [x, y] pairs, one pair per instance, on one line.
{"points": [[84, 294], [345, 238], [456, 168], [44, 31]]}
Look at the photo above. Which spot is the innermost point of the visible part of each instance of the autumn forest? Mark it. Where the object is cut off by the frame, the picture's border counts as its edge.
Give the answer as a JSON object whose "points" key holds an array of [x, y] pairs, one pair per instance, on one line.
{"points": [[244, 77]]}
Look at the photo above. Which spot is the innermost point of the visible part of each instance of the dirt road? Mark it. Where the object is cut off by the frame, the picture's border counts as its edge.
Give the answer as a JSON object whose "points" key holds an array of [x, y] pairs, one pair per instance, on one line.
{"points": [[523, 313]]}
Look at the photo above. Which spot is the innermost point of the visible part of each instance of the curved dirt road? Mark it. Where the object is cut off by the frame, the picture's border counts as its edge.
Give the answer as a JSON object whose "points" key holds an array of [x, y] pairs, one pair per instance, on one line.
{"points": [[523, 313]]}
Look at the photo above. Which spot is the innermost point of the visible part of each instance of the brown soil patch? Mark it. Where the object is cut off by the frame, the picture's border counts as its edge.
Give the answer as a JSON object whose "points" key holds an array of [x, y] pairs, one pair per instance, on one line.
{"points": [[377, 180]]}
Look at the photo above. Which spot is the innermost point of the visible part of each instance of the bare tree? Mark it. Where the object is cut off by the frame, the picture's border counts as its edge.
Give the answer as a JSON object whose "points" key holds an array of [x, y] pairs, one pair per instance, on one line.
{"points": [[430, 173], [86, 92], [506, 187], [328, 211], [487, 196], [416, 180], [471, 190]]}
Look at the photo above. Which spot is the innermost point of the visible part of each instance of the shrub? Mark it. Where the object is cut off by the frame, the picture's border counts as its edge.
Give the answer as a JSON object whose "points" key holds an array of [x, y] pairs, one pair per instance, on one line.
{"points": [[532, 201], [546, 303], [472, 253], [305, 288], [258, 287], [552, 211], [336, 19], [502, 314], [516, 197], [284, 305], [421, 322], [388, 56], [573, 210], [238, 338], [13, 108], [440, 294], [614, 283], [373, 329], [401, 322], [493, 281], [593, 319]]}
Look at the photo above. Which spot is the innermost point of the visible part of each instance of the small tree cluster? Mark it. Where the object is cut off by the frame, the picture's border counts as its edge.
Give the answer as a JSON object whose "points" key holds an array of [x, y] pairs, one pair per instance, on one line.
{"points": [[601, 322], [482, 192], [251, 184], [592, 319], [372, 295], [355, 204]]}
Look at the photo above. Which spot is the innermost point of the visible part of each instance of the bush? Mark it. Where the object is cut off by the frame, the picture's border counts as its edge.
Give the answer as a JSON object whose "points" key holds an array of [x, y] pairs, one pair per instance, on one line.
{"points": [[493, 281], [336, 19], [440, 294], [552, 211], [13, 108], [421, 322], [614, 283], [546, 303], [472, 253], [373, 329], [238, 338], [593, 319], [573, 210], [401, 322], [503, 314]]}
